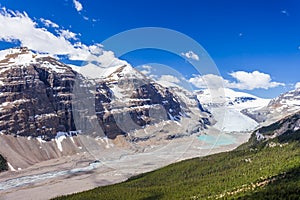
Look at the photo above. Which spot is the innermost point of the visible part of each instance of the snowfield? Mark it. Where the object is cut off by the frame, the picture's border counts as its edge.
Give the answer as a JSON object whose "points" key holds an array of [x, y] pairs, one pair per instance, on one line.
{"points": [[227, 109], [232, 120]]}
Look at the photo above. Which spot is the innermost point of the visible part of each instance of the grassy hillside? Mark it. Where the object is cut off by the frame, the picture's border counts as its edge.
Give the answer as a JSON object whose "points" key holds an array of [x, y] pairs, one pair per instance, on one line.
{"points": [[266, 170], [3, 164]]}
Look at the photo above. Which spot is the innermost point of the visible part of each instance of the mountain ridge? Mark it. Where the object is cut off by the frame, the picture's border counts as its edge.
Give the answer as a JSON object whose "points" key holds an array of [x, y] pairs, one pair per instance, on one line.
{"points": [[279, 107]]}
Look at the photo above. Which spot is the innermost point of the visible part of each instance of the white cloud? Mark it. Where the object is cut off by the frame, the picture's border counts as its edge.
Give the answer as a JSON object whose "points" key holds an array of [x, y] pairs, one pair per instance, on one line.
{"points": [[78, 5], [208, 81], [297, 85], [169, 78], [190, 55], [49, 23], [35, 38], [42, 40], [253, 80], [145, 69], [243, 81], [68, 34], [96, 49]]}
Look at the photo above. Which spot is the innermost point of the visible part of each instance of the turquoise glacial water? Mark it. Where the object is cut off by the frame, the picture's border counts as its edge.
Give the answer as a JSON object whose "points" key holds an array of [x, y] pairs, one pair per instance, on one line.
{"points": [[217, 140]]}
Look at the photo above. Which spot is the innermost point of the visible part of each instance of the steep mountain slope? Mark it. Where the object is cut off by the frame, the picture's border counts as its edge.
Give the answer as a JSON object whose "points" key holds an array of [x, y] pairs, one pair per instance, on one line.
{"points": [[284, 105], [40, 114], [228, 109], [35, 108], [150, 110], [132, 97], [284, 130], [266, 169], [35, 95]]}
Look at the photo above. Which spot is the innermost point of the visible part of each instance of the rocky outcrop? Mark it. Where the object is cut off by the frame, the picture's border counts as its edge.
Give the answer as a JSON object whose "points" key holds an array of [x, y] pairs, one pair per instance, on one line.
{"points": [[278, 133], [285, 126], [127, 100], [278, 108], [3, 164], [35, 95]]}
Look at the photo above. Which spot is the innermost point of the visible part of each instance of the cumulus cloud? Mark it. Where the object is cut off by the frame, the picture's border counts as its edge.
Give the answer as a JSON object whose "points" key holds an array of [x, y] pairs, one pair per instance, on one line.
{"points": [[68, 34], [208, 81], [49, 23], [60, 42], [190, 55], [169, 78], [42, 40], [297, 85], [146, 69], [35, 38], [243, 81], [78, 5], [96, 49], [253, 80]]}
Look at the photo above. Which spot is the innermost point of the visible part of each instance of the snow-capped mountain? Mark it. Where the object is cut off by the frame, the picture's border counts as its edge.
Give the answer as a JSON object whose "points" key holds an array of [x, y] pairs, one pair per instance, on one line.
{"points": [[145, 102], [37, 102], [35, 94], [284, 105], [228, 109]]}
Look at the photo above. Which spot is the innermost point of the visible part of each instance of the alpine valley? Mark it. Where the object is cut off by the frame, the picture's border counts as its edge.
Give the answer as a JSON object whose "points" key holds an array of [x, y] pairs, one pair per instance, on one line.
{"points": [[66, 129]]}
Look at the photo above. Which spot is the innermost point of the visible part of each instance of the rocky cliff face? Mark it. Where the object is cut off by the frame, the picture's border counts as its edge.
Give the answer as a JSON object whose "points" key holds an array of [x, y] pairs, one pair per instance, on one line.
{"points": [[278, 133], [282, 128], [35, 95], [3, 164], [284, 105], [129, 101]]}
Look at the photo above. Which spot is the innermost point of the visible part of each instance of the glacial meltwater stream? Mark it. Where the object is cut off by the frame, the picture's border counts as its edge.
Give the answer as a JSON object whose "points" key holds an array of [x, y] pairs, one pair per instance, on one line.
{"points": [[25, 180]]}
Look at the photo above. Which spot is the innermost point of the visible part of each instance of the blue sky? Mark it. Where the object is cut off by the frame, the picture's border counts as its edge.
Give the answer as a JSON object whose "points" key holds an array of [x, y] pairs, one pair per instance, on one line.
{"points": [[248, 35]]}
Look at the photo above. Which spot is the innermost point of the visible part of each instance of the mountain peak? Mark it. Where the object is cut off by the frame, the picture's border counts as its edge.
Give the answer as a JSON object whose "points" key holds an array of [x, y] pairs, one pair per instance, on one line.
{"points": [[22, 56], [126, 71], [16, 56]]}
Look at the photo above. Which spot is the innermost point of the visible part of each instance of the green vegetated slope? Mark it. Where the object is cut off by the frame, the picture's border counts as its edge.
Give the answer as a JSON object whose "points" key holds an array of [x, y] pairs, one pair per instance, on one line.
{"points": [[269, 169], [3, 164]]}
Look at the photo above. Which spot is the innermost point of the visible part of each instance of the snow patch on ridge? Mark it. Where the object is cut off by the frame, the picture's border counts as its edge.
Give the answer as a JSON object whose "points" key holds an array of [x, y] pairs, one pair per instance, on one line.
{"points": [[11, 167], [60, 136]]}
